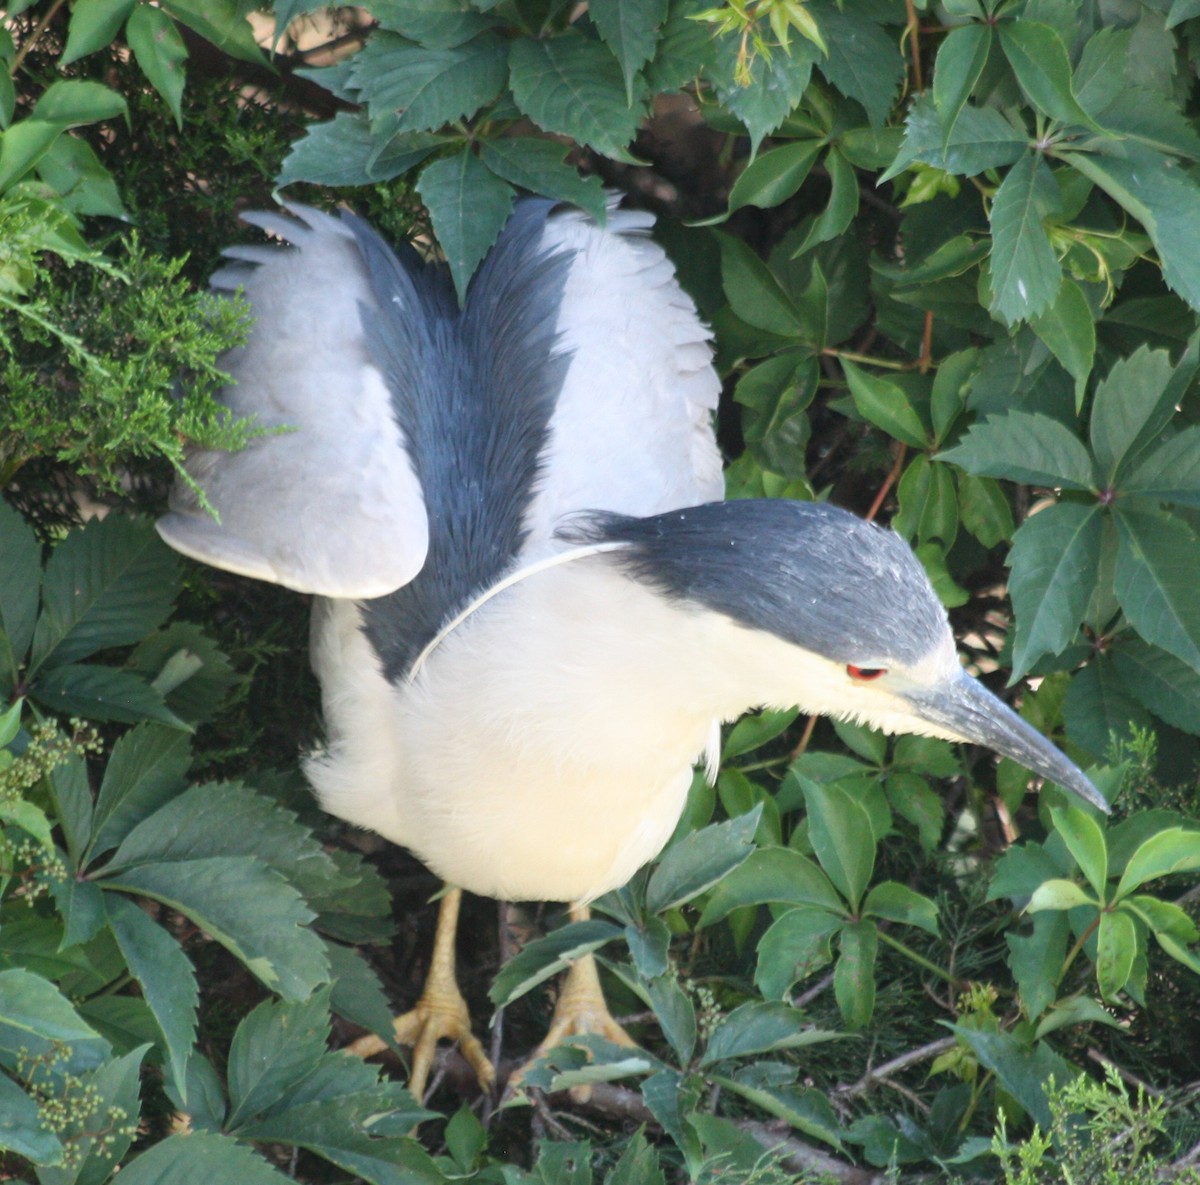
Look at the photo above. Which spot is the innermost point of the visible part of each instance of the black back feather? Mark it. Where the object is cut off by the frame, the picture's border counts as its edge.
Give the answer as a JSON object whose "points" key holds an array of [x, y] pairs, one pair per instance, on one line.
{"points": [[473, 391]]}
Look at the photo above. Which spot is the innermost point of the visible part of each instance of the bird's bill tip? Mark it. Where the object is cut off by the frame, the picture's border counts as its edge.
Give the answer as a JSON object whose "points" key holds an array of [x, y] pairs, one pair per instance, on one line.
{"points": [[966, 708]]}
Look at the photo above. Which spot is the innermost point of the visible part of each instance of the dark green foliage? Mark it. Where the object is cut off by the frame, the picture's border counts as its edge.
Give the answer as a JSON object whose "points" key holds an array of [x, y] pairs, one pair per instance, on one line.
{"points": [[951, 263]]}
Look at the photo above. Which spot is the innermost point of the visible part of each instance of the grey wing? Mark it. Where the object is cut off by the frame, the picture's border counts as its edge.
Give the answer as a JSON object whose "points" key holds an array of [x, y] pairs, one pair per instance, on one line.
{"points": [[632, 430], [330, 504]]}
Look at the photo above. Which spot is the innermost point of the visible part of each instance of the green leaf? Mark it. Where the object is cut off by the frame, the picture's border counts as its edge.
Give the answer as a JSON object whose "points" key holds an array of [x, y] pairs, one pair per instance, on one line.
{"points": [[1163, 917], [102, 693], [112, 1088], [346, 151], [1025, 272], [21, 1128], [984, 509], [960, 61], [72, 102], [108, 584], [228, 819], [274, 1049], [700, 860], [773, 177], [863, 62], [840, 832], [1171, 472], [895, 902], [223, 22], [854, 973], [980, 139], [648, 943], [1025, 447], [197, 1158], [20, 580], [94, 24], [886, 405], [1156, 578], [468, 205], [676, 1016], [770, 875], [631, 30], [1039, 59], [912, 798], [754, 293], [776, 395], [841, 208], [1116, 948], [538, 961], [160, 54], [186, 666], [21, 147], [71, 795], [1025, 1073], [145, 769], [539, 166], [753, 731], [1036, 960], [1055, 561], [428, 87], [1152, 188], [927, 502], [806, 1110], [1128, 401], [272, 939], [574, 86], [73, 170], [167, 980], [437, 24], [1069, 332], [774, 87], [34, 1005], [1058, 894], [1172, 850], [1165, 684], [1085, 841], [795, 945], [358, 995], [1102, 72], [758, 1027], [638, 1165], [1098, 706]]}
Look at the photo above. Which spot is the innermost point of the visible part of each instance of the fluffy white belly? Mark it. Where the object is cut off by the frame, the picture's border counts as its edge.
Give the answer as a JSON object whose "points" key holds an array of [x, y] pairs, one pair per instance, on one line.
{"points": [[551, 776]]}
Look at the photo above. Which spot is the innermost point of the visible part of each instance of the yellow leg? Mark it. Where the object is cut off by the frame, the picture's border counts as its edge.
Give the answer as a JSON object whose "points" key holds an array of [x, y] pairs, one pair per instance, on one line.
{"points": [[581, 1006], [581, 1009], [440, 1012]]}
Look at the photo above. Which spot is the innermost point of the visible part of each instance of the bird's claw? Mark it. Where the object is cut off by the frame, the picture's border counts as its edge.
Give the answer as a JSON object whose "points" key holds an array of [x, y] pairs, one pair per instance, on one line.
{"points": [[438, 1014], [581, 1010]]}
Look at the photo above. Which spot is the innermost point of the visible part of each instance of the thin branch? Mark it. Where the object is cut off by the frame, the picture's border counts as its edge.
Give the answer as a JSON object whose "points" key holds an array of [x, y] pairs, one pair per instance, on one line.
{"points": [[889, 481], [895, 1066], [35, 35]]}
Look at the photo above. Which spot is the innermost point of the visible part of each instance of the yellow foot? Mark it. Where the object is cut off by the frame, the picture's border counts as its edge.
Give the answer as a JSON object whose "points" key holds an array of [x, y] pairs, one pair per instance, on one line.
{"points": [[581, 1009], [438, 1015], [441, 1012]]}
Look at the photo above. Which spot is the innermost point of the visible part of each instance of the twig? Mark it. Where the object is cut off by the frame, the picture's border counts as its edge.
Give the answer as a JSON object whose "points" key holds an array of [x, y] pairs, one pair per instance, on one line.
{"points": [[802, 1158], [813, 992], [35, 35], [889, 481], [880, 1073], [1129, 1079]]}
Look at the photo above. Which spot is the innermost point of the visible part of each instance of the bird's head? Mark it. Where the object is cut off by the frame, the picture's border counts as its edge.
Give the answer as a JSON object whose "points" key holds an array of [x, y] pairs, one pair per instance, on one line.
{"points": [[865, 635]]}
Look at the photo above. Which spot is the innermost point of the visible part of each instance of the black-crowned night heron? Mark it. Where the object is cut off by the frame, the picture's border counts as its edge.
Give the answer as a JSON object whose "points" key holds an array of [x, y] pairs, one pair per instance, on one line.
{"points": [[534, 612]]}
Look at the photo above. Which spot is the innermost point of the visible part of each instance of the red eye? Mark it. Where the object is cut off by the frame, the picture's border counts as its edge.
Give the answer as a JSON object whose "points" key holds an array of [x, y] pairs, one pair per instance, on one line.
{"points": [[865, 674]]}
